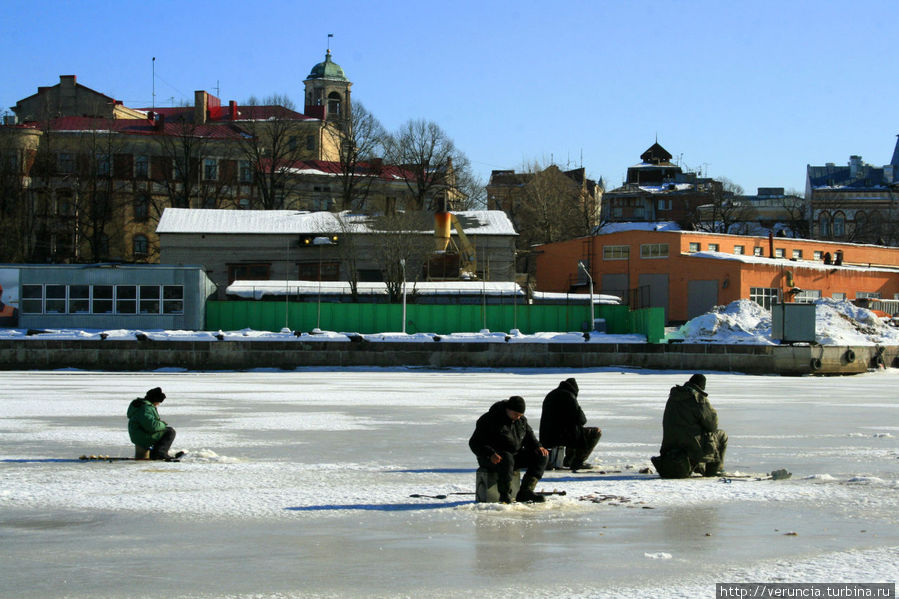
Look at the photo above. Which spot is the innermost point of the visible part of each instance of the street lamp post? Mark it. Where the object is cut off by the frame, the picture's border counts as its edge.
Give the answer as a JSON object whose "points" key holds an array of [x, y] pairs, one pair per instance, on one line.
{"points": [[590, 279], [403, 265], [320, 241]]}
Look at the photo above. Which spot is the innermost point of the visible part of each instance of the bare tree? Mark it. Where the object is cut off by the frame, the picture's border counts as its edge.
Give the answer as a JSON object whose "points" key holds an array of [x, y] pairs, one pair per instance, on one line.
{"points": [[430, 163], [350, 228], [399, 237], [726, 210], [796, 212], [272, 146], [14, 196], [360, 140], [550, 208]]}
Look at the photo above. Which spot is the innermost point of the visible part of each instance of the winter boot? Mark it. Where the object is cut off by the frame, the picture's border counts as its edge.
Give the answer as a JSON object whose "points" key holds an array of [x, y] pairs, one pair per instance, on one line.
{"points": [[526, 492], [505, 492]]}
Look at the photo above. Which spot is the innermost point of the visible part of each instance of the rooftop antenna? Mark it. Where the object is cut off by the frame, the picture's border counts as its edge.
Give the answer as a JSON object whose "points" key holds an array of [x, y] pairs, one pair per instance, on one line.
{"points": [[218, 90], [154, 82]]}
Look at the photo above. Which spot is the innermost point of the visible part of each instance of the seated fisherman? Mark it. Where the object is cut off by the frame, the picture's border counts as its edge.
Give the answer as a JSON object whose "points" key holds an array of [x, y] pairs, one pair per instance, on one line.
{"points": [[691, 440], [503, 442], [562, 425], [145, 427]]}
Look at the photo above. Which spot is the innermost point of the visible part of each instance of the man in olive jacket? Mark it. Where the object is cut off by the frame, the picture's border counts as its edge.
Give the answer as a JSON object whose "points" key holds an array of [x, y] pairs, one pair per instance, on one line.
{"points": [[145, 427], [503, 442], [562, 425], [691, 440]]}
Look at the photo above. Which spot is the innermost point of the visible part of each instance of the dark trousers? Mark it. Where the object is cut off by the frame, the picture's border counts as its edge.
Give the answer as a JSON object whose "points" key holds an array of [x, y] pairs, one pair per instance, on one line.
{"points": [[534, 462], [578, 452], [160, 449]]}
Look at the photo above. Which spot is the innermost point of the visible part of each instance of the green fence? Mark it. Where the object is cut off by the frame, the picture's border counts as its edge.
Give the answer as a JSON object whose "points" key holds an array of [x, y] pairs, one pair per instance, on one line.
{"points": [[429, 318]]}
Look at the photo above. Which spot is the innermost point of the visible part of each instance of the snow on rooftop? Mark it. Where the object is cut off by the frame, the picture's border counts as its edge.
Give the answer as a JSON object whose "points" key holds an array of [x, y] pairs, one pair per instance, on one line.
{"points": [[187, 220], [786, 263], [638, 226], [258, 289]]}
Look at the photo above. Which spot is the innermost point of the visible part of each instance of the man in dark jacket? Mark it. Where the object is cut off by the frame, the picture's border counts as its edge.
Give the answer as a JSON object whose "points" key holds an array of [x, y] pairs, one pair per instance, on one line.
{"points": [[145, 427], [504, 442], [691, 440], [562, 425]]}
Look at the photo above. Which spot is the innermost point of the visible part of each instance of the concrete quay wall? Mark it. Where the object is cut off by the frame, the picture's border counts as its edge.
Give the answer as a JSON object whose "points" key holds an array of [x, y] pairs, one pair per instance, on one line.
{"points": [[37, 354]]}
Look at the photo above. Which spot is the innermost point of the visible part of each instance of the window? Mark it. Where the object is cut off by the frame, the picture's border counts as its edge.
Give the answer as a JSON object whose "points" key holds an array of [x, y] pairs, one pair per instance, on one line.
{"points": [[102, 299], [824, 225], [663, 204], [79, 299], [141, 167], [695, 247], [210, 169], [55, 299], [838, 295], [140, 245], [867, 295], [149, 299], [248, 272], [103, 165], [757, 251], [764, 296], [125, 299], [807, 296], [654, 250], [616, 252], [779, 253], [797, 254], [65, 162], [246, 173], [739, 250], [141, 207], [713, 247], [310, 142], [839, 225], [32, 299], [309, 271], [173, 299], [818, 255]]}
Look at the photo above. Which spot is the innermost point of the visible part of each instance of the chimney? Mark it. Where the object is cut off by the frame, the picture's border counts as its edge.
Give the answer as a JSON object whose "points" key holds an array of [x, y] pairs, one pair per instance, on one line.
{"points": [[159, 125], [232, 110], [199, 107]]}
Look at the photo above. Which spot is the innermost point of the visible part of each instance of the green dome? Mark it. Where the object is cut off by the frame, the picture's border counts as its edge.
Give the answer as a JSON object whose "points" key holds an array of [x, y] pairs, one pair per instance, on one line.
{"points": [[327, 70]]}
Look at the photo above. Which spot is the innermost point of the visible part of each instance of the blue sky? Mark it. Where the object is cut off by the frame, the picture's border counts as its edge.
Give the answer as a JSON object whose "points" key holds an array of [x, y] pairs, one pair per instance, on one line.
{"points": [[751, 91]]}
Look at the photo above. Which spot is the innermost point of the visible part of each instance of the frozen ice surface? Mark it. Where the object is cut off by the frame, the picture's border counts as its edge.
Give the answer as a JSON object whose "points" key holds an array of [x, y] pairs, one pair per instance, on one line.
{"points": [[298, 484]]}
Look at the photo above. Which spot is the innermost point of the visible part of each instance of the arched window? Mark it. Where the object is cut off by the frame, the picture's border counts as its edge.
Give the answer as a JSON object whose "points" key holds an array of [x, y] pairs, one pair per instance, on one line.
{"points": [[839, 225], [824, 225], [334, 104], [140, 245]]}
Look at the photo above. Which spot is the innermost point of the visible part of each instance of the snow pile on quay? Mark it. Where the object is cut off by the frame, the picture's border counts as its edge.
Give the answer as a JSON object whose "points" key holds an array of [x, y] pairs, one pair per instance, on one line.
{"points": [[744, 321]]}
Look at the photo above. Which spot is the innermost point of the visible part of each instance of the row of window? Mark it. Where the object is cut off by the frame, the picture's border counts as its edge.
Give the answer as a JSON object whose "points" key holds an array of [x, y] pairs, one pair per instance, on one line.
{"points": [[623, 252], [768, 296], [102, 299], [65, 164]]}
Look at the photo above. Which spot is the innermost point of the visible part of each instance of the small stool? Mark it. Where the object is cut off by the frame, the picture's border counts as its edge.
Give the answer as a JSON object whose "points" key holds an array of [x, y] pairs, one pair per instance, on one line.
{"points": [[485, 486], [556, 458], [141, 453]]}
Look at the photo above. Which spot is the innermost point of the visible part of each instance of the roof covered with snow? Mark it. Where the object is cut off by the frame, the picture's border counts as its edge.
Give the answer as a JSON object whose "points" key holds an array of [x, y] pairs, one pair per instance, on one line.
{"points": [[190, 220], [785, 263]]}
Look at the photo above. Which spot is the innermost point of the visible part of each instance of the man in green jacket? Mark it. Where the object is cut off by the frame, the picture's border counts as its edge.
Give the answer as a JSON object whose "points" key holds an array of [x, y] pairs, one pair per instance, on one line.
{"points": [[145, 427], [691, 440]]}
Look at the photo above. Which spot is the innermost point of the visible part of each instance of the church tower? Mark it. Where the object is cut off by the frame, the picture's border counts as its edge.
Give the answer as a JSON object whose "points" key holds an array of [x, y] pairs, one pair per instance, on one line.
{"points": [[328, 93]]}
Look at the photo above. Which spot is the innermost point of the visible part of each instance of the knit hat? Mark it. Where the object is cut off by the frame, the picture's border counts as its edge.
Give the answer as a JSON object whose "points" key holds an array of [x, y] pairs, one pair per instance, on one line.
{"points": [[698, 381], [155, 395], [516, 404]]}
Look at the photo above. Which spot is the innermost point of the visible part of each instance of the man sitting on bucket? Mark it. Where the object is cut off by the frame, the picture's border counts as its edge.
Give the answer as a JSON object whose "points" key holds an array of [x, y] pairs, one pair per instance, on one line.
{"points": [[145, 427], [691, 440], [504, 442]]}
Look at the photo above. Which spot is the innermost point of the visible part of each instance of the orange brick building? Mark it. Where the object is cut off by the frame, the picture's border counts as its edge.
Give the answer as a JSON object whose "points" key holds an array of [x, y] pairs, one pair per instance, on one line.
{"points": [[688, 272]]}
